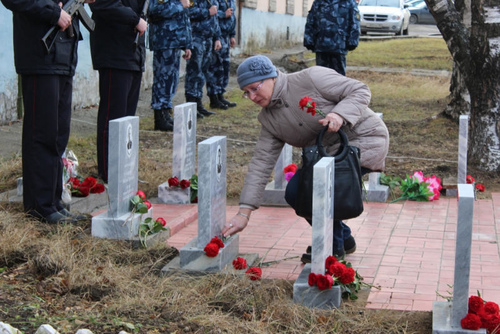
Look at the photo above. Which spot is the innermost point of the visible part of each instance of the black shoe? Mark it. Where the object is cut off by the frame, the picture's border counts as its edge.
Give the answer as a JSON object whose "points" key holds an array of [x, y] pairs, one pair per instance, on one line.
{"points": [[229, 104], [201, 109], [306, 258], [58, 218], [76, 216], [216, 103], [198, 115], [163, 120], [350, 245]]}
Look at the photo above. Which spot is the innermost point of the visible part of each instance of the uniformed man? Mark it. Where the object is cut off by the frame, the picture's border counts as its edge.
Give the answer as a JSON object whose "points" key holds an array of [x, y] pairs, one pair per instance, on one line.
{"points": [[206, 36], [332, 29], [219, 67], [169, 34]]}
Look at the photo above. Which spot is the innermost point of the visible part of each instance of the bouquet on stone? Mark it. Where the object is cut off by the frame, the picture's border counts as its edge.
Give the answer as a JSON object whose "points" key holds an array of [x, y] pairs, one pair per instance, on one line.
{"points": [[80, 187], [481, 314]]}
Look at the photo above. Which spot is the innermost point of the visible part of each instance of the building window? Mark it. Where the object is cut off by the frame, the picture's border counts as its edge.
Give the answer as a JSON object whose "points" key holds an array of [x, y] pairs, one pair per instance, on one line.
{"points": [[250, 4], [290, 9], [272, 5], [305, 7]]}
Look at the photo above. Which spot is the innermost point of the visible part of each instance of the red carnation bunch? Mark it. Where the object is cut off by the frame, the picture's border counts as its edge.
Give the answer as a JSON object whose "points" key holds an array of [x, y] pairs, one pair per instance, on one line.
{"points": [[212, 248], [478, 187], [310, 105], [174, 182], [481, 314], [239, 263], [82, 188], [254, 273], [289, 171], [337, 272]]}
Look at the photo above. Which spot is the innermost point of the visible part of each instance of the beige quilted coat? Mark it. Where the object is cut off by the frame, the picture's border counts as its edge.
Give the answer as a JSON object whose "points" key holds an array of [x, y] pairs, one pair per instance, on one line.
{"points": [[283, 121]]}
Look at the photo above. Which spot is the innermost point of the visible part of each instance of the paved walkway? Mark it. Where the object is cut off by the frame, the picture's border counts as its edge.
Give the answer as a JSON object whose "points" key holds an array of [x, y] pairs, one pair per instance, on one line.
{"points": [[406, 248]]}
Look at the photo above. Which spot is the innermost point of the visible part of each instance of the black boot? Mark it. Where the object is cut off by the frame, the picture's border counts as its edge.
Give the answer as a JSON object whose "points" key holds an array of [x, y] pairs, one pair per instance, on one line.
{"points": [[229, 104], [215, 103], [201, 109], [190, 98], [163, 121]]}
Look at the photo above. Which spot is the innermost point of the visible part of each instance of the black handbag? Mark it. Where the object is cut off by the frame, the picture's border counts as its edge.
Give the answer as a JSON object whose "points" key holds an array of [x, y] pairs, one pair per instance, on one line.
{"points": [[348, 189]]}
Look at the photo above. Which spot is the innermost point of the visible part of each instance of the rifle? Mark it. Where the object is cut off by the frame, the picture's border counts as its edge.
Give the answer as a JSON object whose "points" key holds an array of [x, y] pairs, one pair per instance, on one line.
{"points": [[144, 15], [73, 8]]}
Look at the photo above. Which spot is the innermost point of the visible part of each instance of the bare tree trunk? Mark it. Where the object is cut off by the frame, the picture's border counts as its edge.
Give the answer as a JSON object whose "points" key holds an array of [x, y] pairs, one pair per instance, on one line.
{"points": [[476, 53]]}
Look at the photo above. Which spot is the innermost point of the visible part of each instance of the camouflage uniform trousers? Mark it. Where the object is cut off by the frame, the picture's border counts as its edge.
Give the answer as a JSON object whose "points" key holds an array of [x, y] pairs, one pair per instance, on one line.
{"points": [[332, 60], [218, 75], [197, 67], [166, 66]]}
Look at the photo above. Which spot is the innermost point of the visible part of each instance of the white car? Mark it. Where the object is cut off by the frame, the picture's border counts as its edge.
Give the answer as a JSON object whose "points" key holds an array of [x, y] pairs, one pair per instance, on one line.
{"points": [[390, 16]]}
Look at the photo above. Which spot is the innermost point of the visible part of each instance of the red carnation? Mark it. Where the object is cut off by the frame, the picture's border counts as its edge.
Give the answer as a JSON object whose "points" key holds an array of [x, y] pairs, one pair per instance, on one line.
{"points": [[141, 194], [337, 269], [490, 322], [304, 101], [491, 308], [184, 184], [291, 168], [239, 263], [97, 189], [74, 181], [148, 204], [83, 190], [313, 279], [470, 179], [255, 273], [312, 108], [480, 187], [217, 241], [162, 221], [328, 263], [211, 249], [324, 282], [89, 182], [471, 321], [347, 276], [173, 182], [476, 303]]}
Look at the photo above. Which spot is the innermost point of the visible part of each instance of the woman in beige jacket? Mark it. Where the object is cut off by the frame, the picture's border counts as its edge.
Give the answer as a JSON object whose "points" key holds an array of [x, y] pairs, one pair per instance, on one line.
{"points": [[345, 103]]}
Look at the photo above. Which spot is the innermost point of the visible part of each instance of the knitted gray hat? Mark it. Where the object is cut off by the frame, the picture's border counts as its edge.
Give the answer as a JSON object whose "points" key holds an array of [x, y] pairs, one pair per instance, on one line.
{"points": [[255, 68]]}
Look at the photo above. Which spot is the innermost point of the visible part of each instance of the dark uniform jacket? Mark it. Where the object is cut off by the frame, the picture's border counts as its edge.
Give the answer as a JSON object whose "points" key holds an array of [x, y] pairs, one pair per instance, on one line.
{"points": [[227, 24], [202, 24], [31, 20], [332, 26], [169, 27], [112, 42]]}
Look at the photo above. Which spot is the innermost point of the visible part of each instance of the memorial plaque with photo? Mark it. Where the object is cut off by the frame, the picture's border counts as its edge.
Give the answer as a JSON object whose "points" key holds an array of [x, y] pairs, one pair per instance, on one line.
{"points": [[184, 148]]}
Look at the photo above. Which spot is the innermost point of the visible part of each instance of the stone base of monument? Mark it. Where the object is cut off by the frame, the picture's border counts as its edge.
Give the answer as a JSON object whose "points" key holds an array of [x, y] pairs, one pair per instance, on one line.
{"points": [[150, 240], [191, 258], [170, 195], [311, 296], [376, 193], [88, 204], [450, 187], [274, 196], [124, 227], [441, 320], [193, 269]]}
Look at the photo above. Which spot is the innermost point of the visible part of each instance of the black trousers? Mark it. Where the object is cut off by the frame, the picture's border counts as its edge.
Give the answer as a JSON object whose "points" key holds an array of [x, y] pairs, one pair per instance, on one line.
{"points": [[119, 95], [46, 128], [332, 60]]}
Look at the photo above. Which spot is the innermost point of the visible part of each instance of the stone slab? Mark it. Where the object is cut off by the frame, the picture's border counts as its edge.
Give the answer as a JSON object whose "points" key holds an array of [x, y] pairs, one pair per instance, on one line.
{"points": [[174, 266], [274, 197], [311, 296], [441, 320], [88, 204], [194, 258], [376, 193], [125, 227], [175, 195]]}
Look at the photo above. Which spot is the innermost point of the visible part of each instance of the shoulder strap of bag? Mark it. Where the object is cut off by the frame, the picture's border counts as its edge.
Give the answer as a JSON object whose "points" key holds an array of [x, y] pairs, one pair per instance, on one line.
{"points": [[343, 149]]}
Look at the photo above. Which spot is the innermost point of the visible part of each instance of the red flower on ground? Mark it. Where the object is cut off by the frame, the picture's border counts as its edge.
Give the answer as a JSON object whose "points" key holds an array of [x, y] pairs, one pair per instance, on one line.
{"points": [[141, 194], [313, 279], [184, 184], [97, 189], [347, 276], [324, 282], [239, 263], [337, 269], [218, 242], [83, 190], [255, 273], [471, 321], [173, 182], [148, 204], [470, 179], [211, 249], [476, 303], [89, 181], [480, 187], [162, 221]]}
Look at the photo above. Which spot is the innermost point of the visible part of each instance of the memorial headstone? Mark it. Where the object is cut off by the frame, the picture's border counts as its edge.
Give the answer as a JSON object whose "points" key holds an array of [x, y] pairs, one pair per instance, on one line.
{"points": [[274, 194], [212, 186], [118, 222], [446, 315], [322, 241], [463, 138], [376, 192], [183, 154]]}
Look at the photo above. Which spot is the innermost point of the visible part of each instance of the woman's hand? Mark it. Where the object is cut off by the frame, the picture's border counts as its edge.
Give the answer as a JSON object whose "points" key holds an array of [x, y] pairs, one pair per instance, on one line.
{"points": [[237, 223], [333, 120]]}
